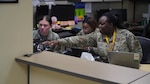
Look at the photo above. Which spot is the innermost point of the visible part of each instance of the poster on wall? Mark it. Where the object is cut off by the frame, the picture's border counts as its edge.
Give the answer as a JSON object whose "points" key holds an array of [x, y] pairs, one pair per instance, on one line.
{"points": [[8, 1], [79, 11], [88, 7]]}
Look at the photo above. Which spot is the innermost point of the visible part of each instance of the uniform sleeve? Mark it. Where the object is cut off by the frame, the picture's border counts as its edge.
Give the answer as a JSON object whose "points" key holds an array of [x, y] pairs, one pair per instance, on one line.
{"points": [[56, 36], [35, 34], [134, 44], [80, 33], [74, 41], [93, 42], [55, 48], [94, 49]]}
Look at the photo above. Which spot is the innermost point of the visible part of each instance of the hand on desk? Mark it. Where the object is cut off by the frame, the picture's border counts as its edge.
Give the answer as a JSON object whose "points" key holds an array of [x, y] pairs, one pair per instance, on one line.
{"points": [[85, 48]]}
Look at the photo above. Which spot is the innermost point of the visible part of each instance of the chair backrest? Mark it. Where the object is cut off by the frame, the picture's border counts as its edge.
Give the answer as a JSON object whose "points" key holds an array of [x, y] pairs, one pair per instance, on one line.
{"points": [[145, 44]]}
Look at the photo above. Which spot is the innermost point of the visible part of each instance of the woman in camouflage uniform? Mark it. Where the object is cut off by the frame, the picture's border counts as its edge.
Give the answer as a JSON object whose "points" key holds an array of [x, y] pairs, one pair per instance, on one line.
{"points": [[89, 25], [110, 38], [44, 33]]}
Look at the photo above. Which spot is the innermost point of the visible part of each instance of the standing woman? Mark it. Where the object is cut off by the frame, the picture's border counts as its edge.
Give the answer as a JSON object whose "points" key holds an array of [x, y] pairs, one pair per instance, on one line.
{"points": [[109, 38], [44, 33]]}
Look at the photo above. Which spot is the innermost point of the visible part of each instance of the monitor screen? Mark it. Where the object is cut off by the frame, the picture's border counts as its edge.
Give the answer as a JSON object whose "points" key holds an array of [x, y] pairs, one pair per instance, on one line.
{"points": [[40, 11], [63, 12], [121, 13]]}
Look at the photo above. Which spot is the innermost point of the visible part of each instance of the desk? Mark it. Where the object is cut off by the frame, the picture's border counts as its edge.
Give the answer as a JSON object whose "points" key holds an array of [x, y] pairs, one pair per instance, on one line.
{"points": [[145, 67], [143, 80], [92, 70]]}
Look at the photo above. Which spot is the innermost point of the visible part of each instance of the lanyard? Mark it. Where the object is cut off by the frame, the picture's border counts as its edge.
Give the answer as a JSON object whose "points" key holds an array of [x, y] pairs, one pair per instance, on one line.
{"points": [[110, 47]]}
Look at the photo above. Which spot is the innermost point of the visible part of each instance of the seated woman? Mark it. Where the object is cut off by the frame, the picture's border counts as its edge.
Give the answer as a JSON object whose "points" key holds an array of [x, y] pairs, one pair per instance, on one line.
{"points": [[44, 33], [89, 25]]}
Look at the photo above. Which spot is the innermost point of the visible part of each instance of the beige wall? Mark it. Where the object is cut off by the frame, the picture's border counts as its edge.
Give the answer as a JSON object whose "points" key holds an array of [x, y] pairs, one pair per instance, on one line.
{"points": [[15, 40]]}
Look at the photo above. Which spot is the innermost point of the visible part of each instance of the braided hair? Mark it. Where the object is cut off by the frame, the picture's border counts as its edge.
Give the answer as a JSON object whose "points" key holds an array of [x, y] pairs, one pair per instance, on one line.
{"points": [[114, 18]]}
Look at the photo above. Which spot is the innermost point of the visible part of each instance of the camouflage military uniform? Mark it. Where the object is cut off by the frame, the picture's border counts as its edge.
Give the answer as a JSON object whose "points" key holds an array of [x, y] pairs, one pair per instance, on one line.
{"points": [[51, 36], [125, 41]]}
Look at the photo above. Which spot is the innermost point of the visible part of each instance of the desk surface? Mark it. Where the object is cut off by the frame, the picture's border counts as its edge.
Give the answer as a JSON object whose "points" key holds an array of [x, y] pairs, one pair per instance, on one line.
{"points": [[96, 71], [145, 67], [143, 80]]}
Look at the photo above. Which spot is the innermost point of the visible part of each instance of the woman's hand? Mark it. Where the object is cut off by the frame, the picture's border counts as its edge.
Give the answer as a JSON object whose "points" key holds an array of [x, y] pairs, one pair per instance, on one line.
{"points": [[45, 43], [50, 43], [86, 48]]}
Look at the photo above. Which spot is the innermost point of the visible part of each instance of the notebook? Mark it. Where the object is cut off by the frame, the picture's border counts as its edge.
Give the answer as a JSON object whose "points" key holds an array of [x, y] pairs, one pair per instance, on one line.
{"points": [[127, 59]]}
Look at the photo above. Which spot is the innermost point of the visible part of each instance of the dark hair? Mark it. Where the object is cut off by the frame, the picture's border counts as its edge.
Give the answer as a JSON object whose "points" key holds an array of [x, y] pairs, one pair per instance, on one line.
{"points": [[90, 21], [46, 17], [114, 18]]}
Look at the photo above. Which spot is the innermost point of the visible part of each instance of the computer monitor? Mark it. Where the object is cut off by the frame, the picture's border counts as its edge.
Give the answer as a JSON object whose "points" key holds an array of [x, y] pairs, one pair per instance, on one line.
{"points": [[121, 13], [63, 12]]}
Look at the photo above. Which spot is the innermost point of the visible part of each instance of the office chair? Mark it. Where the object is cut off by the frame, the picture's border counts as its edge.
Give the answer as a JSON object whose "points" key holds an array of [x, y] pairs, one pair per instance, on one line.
{"points": [[146, 31], [145, 44]]}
